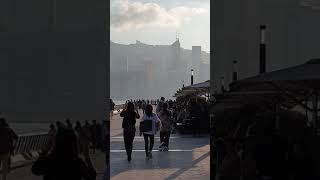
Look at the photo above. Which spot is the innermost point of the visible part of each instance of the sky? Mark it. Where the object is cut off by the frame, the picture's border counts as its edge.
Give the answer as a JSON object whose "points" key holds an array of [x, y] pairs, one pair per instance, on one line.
{"points": [[159, 22]]}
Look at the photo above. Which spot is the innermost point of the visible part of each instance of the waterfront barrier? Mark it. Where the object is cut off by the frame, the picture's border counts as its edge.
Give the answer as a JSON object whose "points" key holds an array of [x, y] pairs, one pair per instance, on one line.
{"points": [[27, 148], [29, 143]]}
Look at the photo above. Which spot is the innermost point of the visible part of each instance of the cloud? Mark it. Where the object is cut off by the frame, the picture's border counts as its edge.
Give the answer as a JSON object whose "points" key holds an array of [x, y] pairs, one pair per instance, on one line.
{"points": [[127, 15]]}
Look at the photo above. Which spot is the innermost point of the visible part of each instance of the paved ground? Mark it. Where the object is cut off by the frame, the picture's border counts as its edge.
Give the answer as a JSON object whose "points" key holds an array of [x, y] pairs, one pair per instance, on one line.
{"points": [[188, 158]]}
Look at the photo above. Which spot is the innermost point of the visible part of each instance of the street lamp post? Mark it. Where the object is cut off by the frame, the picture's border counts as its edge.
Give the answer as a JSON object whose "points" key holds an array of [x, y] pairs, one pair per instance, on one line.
{"points": [[222, 85], [191, 77], [263, 49], [235, 72]]}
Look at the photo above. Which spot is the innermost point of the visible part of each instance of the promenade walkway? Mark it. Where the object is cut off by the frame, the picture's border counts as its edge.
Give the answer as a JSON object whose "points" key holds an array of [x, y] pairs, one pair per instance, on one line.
{"points": [[188, 158]]}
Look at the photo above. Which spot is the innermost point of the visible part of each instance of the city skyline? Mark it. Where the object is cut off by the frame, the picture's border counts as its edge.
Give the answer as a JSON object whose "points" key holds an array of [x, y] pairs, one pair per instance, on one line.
{"points": [[145, 71]]}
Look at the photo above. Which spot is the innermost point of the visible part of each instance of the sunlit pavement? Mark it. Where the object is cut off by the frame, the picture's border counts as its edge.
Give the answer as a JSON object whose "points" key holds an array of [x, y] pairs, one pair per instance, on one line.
{"points": [[188, 158]]}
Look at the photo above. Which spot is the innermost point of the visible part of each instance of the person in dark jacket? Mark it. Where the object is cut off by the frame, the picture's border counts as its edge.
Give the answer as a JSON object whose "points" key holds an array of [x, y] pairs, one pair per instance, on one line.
{"points": [[128, 124], [7, 138], [195, 114], [83, 140], [96, 135], [51, 141], [112, 106], [166, 127], [64, 163], [69, 124]]}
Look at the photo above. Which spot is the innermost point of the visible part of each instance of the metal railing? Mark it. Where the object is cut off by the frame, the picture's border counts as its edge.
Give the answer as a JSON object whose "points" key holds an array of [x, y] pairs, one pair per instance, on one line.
{"points": [[28, 143], [119, 107]]}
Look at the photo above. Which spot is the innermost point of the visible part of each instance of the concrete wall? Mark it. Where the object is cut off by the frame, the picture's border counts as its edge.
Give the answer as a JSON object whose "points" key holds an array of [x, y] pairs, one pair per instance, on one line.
{"points": [[53, 60]]}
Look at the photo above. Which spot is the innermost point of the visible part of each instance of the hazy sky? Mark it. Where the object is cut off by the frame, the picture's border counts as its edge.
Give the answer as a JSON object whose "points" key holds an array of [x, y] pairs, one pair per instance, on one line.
{"points": [[158, 22]]}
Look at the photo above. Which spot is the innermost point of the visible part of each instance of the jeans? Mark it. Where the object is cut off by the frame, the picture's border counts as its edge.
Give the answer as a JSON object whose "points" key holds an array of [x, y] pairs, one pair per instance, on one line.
{"points": [[5, 163], [146, 142], [128, 141], [164, 137]]}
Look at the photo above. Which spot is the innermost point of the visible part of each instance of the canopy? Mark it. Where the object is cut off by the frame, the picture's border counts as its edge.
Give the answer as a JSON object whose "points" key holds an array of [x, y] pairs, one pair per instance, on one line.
{"points": [[200, 88], [303, 76], [292, 86], [204, 85]]}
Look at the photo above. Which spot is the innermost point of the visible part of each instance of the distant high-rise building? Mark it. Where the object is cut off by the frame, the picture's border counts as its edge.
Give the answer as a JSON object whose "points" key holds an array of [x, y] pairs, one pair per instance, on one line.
{"points": [[196, 56], [175, 55], [119, 64], [150, 78], [196, 61]]}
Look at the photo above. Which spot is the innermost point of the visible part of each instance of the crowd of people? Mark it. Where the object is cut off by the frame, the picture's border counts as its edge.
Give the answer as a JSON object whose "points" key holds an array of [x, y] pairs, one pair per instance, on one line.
{"points": [[89, 135], [163, 120], [193, 113], [67, 143], [150, 124], [63, 162], [253, 144]]}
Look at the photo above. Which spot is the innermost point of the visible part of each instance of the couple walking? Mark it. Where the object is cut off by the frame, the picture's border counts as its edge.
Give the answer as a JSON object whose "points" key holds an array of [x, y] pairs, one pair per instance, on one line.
{"points": [[149, 126]]}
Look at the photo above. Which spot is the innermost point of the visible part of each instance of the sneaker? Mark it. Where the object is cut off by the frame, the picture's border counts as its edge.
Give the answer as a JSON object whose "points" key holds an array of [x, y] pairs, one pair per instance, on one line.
{"points": [[129, 158], [166, 148], [150, 154], [161, 145]]}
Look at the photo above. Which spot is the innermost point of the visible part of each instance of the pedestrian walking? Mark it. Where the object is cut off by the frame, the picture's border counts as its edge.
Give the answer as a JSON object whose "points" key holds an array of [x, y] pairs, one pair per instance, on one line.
{"points": [[7, 138], [51, 140], [159, 105], [195, 114], [96, 135], [87, 131], [60, 126], [149, 126], [69, 124], [112, 105], [129, 115], [144, 104], [166, 127], [83, 140]]}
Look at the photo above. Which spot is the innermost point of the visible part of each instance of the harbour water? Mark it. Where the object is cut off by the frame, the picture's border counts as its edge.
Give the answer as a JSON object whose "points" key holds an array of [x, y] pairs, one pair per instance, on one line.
{"points": [[30, 128], [35, 128]]}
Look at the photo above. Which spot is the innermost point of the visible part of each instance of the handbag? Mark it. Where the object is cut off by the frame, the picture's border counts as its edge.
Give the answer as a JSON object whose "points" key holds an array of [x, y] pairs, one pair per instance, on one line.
{"points": [[146, 126]]}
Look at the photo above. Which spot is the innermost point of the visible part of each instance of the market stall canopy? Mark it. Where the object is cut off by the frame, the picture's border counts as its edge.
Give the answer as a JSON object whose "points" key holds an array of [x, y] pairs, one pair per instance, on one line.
{"points": [[289, 87], [202, 85], [238, 100], [185, 92], [200, 88], [302, 77]]}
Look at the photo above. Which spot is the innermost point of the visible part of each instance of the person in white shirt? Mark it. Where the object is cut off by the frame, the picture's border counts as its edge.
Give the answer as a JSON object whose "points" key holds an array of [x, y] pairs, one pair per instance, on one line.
{"points": [[149, 126]]}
